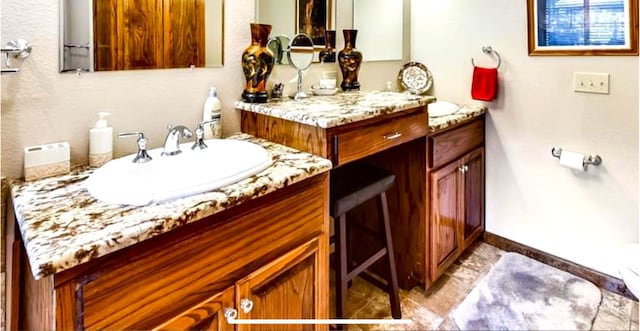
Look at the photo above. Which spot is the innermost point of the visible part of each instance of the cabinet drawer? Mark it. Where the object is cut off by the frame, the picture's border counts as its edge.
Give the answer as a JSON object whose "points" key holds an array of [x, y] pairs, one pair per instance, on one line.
{"points": [[364, 141], [449, 145]]}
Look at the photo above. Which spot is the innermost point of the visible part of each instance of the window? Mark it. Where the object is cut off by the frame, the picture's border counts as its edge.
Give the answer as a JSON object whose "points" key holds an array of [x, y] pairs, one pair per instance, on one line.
{"points": [[583, 27]]}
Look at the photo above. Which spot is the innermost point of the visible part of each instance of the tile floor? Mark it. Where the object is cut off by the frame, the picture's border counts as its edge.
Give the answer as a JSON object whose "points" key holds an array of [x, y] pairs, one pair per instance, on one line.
{"points": [[430, 310]]}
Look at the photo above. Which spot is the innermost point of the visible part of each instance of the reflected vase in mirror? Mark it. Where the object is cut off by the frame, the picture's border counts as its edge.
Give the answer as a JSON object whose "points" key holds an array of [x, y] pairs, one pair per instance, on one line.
{"points": [[349, 60], [257, 63], [328, 54]]}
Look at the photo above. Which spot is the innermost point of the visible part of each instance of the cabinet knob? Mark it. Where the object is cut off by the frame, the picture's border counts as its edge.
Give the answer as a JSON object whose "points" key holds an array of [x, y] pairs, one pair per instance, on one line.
{"points": [[463, 168], [230, 314], [246, 305]]}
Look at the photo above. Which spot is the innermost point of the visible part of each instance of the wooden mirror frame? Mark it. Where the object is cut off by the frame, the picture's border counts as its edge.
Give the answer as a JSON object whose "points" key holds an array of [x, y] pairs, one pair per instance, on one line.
{"points": [[536, 50]]}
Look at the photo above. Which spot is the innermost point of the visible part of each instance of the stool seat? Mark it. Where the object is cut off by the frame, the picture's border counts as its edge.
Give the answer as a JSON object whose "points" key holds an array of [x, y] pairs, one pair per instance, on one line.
{"points": [[352, 185], [355, 183]]}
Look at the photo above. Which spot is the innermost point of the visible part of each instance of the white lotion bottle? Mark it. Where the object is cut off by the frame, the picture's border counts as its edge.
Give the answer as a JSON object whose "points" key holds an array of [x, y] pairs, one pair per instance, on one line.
{"points": [[212, 111], [100, 142]]}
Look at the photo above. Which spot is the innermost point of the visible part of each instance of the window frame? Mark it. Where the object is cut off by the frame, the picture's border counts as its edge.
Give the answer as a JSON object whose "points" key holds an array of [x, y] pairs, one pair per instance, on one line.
{"points": [[630, 48]]}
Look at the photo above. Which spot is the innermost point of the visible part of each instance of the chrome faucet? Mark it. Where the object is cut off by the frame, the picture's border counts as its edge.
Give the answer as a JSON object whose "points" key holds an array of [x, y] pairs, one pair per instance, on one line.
{"points": [[142, 156], [199, 143], [171, 143]]}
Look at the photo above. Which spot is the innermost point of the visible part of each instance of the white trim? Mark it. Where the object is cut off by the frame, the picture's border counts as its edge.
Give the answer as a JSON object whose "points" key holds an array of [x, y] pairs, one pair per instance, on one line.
{"points": [[317, 321]]}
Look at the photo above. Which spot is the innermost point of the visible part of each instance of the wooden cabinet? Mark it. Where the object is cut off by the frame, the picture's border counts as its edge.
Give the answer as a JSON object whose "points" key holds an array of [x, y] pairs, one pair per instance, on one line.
{"points": [[456, 211], [284, 287], [272, 250], [344, 143], [437, 211], [148, 34], [395, 141], [208, 315]]}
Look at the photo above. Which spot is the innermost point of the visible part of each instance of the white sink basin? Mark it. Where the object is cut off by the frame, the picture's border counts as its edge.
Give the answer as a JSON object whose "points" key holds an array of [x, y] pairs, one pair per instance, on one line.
{"points": [[164, 178], [442, 108]]}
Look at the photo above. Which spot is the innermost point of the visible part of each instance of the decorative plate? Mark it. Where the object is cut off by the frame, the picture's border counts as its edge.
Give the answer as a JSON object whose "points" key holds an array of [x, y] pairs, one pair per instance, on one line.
{"points": [[415, 77]]}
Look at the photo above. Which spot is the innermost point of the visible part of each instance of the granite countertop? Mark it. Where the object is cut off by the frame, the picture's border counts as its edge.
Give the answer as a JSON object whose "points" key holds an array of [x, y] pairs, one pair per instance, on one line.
{"points": [[466, 113], [338, 109], [62, 225], [344, 108]]}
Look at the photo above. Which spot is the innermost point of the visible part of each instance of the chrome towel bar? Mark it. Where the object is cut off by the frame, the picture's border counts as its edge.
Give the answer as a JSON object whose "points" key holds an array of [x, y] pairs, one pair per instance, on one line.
{"points": [[19, 49]]}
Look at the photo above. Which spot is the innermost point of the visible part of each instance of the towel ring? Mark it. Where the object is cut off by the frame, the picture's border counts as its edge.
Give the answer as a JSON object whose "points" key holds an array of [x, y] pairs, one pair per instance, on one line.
{"points": [[487, 49]]}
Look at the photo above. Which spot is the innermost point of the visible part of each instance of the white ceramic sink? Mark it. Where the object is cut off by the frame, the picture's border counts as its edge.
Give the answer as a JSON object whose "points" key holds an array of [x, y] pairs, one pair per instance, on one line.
{"points": [[442, 108], [164, 178]]}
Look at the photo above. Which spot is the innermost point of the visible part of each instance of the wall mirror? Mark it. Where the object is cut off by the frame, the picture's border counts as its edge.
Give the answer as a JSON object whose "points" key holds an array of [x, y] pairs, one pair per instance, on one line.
{"points": [[379, 39], [284, 17], [102, 35], [582, 27]]}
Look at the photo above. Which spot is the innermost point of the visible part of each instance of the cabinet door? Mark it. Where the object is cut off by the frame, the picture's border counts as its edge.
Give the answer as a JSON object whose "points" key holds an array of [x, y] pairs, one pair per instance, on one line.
{"points": [[286, 288], [208, 315], [473, 196], [445, 214]]}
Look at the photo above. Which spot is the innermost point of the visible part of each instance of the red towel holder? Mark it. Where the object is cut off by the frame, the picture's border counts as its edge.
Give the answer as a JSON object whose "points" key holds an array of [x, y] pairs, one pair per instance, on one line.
{"points": [[487, 50]]}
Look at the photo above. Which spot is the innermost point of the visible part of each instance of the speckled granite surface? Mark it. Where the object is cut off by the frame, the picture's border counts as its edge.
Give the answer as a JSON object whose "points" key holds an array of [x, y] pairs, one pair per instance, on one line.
{"points": [[465, 113], [63, 226], [344, 108], [339, 109]]}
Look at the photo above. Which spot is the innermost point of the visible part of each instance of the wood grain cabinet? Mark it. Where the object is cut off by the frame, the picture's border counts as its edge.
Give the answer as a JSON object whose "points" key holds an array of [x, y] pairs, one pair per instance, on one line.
{"points": [[266, 259], [456, 211], [208, 315], [284, 288], [437, 201]]}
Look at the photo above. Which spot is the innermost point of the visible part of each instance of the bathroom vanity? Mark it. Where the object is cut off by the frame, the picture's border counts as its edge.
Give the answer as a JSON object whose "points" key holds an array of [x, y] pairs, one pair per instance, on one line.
{"points": [[437, 202], [256, 249]]}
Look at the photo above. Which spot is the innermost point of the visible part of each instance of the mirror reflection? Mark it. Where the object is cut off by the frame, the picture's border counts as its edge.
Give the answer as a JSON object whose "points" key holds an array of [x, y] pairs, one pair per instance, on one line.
{"points": [[379, 39], [388, 26], [99, 35], [278, 46]]}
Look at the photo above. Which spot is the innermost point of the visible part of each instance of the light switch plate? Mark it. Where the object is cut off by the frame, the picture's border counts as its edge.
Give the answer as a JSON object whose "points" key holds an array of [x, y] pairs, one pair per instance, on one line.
{"points": [[591, 82]]}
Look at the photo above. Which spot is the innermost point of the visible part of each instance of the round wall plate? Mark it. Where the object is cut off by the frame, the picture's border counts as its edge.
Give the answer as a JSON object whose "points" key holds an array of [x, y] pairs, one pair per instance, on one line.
{"points": [[415, 77]]}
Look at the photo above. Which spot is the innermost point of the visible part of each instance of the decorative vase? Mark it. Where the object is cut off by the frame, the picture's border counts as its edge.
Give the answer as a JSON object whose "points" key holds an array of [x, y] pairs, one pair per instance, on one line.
{"points": [[349, 60], [328, 54], [257, 63]]}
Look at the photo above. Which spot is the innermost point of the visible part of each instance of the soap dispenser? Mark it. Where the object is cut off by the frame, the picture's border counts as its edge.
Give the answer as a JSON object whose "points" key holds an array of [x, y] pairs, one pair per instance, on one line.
{"points": [[100, 142], [212, 111]]}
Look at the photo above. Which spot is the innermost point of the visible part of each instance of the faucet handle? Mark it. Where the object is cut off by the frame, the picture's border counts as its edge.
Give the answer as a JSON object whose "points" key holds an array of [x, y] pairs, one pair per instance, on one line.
{"points": [[199, 143], [142, 156]]}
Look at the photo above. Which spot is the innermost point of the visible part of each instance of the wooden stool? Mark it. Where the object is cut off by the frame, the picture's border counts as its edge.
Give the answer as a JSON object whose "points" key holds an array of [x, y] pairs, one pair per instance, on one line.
{"points": [[351, 185]]}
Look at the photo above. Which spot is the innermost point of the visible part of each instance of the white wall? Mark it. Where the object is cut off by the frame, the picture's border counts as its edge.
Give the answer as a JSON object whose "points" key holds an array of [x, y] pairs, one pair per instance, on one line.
{"points": [[582, 217]]}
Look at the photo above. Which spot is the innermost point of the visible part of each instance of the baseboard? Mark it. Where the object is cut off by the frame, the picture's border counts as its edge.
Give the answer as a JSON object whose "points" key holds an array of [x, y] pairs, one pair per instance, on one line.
{"points": [[601, 280]]}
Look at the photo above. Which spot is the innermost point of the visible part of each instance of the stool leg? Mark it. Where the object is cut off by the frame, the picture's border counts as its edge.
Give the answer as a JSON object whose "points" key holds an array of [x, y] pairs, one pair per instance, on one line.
{"points": [[394, 298], [341, 269]]}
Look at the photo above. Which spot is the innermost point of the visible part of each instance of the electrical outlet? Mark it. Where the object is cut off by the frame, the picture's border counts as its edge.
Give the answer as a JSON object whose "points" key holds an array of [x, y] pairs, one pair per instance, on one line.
{"points": [[590, 82]]}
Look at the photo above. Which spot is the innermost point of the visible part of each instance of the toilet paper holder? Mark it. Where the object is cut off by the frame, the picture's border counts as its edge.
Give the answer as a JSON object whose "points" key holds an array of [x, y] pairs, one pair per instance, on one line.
{"points": [[588, 159]]}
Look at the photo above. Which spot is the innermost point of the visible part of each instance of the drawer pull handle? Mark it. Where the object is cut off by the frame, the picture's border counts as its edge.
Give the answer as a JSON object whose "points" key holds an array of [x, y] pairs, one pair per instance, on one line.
{"points": [[230, 314], [391, 136], [246, 305]]}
